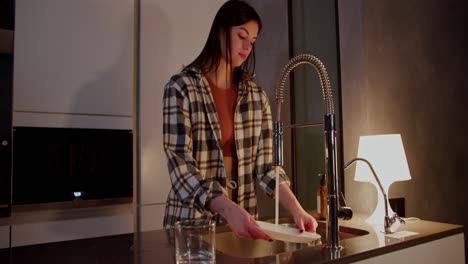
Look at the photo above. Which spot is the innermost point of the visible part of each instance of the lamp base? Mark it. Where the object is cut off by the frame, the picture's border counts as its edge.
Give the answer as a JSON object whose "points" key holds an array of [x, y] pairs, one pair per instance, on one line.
{"points": [[378, 215]]}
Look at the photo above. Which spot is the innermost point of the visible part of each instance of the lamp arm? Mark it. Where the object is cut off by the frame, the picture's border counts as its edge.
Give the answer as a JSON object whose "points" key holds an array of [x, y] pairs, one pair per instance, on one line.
{"points": [[376, 178]]}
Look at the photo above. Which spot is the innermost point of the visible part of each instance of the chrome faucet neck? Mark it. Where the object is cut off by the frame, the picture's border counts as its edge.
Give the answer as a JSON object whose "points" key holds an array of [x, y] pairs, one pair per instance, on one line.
{"points": [[323, 77], [331, 168]]}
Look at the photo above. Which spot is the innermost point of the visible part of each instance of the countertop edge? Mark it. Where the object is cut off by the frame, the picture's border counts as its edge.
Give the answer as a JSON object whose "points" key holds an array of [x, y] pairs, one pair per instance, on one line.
{"points": [[398, 246]]}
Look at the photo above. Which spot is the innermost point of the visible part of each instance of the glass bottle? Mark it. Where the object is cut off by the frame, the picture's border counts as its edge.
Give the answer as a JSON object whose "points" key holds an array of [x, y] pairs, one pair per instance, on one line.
{"points": [[322, 198]]}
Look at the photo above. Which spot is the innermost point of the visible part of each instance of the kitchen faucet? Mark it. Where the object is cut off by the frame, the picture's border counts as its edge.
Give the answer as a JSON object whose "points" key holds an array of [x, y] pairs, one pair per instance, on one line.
{"points": [[389, 221], [334, 210]]}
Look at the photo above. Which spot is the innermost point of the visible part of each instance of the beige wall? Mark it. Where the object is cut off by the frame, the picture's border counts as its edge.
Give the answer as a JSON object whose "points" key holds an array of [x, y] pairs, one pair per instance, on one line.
{"points": [[404, 70]]}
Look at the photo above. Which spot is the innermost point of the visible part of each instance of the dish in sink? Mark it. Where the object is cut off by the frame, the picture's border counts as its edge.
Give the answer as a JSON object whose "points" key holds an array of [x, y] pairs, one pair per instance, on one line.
{"points": [[287, 233]]}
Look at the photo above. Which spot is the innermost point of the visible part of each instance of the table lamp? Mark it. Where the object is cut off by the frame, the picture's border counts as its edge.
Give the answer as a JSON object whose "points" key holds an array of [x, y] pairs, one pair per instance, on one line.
{"points": [[388, 159]]}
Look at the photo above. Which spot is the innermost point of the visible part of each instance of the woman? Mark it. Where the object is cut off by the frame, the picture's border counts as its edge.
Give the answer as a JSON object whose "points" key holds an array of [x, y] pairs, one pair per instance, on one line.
{"points": [[218, 131]]}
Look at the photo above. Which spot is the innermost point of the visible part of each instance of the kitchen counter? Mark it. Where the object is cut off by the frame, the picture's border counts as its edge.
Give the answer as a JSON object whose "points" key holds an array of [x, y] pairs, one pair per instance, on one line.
{"points": [[355, 248], [157, 247]]}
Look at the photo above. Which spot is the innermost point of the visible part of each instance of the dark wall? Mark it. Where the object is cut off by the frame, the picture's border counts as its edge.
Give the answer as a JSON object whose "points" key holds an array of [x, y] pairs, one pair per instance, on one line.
{"points": [[404, 68]]}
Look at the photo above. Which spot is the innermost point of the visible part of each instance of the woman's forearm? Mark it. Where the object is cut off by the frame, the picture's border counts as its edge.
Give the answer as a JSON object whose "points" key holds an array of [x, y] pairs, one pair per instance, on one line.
{"points": [[303, 220], [222, 205], [288, 200]]}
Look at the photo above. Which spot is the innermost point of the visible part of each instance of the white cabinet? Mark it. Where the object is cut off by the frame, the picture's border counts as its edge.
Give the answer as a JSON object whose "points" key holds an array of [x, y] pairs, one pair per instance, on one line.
{"points": [[38, 227], [71, 225], [73, 63], [445, 250]]}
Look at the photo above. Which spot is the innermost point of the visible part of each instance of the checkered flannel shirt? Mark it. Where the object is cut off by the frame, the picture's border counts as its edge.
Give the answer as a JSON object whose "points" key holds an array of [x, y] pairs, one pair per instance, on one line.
{"points": [[192, 137]]}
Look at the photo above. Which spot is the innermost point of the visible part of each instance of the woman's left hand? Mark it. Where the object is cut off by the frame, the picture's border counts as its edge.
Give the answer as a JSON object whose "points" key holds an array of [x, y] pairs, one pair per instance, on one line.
{"points": [[304, 221]]}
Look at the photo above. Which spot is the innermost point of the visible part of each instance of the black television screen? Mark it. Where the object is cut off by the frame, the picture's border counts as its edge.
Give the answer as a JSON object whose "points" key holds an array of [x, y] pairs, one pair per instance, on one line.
{"points": [[60, 164]]}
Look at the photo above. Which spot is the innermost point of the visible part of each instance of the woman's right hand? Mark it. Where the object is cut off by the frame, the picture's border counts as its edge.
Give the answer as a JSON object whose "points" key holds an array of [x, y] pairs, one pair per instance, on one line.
{"points": [[242, 224]]}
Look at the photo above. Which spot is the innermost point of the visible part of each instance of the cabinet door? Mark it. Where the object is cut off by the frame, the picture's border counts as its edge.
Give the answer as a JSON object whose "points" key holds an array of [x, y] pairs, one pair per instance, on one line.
{"points": [[6, 64], [73, 63]]}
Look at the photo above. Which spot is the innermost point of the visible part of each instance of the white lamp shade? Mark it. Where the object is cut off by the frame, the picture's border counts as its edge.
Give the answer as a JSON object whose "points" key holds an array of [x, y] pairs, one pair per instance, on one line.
{"points": [[387, 156]]}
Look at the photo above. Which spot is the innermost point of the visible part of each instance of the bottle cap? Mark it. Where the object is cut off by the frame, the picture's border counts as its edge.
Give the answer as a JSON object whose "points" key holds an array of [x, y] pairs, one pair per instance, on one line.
{"points": [[322, 179]]}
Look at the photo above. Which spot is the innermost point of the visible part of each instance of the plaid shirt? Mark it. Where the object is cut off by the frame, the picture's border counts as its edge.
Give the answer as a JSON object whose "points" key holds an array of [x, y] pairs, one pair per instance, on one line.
{"points": [[192, 137]]}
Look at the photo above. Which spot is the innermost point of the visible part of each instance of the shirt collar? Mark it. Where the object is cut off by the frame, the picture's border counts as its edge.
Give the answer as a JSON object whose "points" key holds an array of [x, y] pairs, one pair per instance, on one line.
{"points": [[198, 72]]}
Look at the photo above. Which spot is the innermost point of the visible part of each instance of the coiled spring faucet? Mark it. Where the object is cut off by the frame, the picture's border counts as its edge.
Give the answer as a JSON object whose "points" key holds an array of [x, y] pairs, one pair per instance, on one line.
{"points": [[334, 211]]}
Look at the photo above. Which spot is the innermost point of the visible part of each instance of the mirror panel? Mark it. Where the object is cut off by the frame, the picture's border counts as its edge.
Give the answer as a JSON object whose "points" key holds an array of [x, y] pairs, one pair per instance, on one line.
{"points": [[313, 30]]}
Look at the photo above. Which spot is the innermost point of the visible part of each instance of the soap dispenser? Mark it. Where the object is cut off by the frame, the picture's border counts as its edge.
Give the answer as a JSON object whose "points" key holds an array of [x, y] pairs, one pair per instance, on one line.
{"points": [[322, 198]]}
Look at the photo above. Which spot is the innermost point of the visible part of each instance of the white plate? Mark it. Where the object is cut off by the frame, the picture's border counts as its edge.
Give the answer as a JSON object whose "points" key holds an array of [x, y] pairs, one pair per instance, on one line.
{"points": [[286, 233]]}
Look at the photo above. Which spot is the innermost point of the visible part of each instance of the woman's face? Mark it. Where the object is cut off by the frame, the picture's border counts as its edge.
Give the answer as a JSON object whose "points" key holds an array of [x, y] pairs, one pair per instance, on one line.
{"points": [[242, 40]]}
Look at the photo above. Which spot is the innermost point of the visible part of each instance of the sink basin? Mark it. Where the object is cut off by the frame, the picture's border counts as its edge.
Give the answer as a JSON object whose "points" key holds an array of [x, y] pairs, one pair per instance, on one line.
{"points": [[229, 244]]}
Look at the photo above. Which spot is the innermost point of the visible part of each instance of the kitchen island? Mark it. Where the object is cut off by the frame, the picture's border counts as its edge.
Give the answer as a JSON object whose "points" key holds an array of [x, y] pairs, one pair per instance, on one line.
{"points": [[421, 242]]}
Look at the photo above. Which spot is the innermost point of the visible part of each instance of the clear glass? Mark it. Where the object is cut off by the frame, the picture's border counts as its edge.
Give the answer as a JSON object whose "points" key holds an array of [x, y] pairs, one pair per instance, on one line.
{"points": [[195, 241]]}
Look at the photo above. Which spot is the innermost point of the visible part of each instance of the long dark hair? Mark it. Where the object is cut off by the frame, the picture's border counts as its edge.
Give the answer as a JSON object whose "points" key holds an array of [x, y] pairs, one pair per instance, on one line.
{"points": [[230, 14]]}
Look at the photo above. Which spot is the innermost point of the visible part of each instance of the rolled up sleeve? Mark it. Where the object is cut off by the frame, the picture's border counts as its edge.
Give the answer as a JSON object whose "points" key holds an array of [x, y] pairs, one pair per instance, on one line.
{"points": [[265, 169]]}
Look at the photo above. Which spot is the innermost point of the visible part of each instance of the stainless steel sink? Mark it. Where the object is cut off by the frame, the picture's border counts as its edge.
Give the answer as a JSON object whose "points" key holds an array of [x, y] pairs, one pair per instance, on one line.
{"points": [[229, 244]]}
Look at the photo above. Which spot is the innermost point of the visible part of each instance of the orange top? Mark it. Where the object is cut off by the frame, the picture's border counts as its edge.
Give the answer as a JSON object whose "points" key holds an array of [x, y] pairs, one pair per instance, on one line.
{"points": [[225, 101]]}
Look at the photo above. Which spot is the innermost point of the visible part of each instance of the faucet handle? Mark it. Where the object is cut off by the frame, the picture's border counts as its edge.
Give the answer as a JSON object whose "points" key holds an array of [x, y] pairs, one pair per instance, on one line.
{"points": [[391, 224], [395, 217], [342, 198], [345, 213]]}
